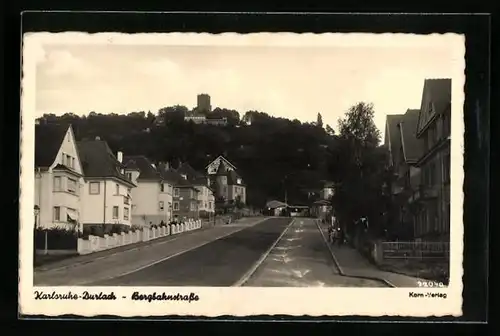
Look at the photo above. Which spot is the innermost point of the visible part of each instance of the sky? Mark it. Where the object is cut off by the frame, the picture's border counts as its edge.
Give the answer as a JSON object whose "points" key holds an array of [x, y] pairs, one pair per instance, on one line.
{"points": [[292, 81]]}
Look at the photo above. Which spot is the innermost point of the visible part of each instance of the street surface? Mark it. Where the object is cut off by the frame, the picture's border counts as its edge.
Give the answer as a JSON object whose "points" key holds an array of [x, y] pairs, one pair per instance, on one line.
{"points": [[89, 269], [262, 252], [220, 263], [301, 259]]}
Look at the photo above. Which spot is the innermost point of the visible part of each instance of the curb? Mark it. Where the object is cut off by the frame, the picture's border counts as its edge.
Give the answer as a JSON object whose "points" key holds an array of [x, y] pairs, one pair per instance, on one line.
{"points": [[263, 257], [112, 251], [341, 271]]}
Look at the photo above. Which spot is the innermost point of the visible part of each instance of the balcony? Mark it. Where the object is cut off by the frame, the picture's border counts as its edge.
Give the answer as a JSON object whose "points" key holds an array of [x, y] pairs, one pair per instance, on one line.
{"points": [[423, 193]]}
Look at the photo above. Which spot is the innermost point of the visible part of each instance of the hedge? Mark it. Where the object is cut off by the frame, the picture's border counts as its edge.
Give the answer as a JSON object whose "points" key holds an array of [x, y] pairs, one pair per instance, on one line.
{"points": [[57, 239]]}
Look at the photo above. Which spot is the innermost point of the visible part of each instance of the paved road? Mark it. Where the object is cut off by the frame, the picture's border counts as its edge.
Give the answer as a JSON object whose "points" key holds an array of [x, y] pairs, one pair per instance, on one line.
{"points": [[219, 263], [89, 269], [301, 259]]}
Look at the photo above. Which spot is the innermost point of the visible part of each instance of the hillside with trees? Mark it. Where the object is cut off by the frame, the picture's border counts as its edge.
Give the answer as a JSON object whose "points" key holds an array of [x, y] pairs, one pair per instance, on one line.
{"points": [[269, 152]]}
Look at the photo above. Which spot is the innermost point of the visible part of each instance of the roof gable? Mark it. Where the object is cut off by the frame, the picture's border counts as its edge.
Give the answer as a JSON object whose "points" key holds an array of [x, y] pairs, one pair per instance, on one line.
{"points": [[48, 141], [411, 145], [226, 161], [145, 167], [98, 161], [436, 98], [392, 136]]}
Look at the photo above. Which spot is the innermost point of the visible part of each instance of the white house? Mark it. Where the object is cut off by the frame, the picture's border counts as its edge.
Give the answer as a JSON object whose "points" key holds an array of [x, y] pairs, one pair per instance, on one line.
{"points": [[206, 197], [58, 177], [107, 192], [153, 195]]}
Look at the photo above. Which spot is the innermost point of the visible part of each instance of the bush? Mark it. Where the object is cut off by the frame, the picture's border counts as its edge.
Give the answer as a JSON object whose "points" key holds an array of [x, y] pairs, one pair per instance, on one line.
{"points": [[57, 239]]}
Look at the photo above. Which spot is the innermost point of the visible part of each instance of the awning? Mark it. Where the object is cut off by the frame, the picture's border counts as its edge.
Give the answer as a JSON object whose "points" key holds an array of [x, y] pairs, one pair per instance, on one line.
{"points": [[70, 218]]}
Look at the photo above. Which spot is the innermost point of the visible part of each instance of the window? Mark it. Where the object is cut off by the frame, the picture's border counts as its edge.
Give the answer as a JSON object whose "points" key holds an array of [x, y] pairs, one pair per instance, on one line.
{"points": [[205, 205], [129, 191], [57, 183], [125, 213], [117, 189], [224, 179], [162, 187], [176, 206], [224, 189], [68, 161], [129, 176], [73, 163], [57, 213], [71, 185], [169, 188], [161, 205], [193, 206], [115, 212], [176, 192], [210, 205], [94, 188]]}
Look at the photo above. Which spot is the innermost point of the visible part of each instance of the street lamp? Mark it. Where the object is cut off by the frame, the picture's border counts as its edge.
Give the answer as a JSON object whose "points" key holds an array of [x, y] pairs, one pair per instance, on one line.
{"points": [[36, 211]]}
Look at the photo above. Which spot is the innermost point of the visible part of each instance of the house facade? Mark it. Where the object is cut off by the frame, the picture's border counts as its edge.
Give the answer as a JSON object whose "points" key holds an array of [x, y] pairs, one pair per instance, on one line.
{"points": [[404, 152], [226, 181], [153, 194], [322, 206], [434, 132], [206, 198], [58, 177], [184, 195], [107, 192]]}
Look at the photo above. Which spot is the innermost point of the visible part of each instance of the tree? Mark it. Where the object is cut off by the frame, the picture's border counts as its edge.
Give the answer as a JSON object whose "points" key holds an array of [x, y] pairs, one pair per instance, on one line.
{"points": [[263, 152], [329, 130], [360, 167], [319, 120]]}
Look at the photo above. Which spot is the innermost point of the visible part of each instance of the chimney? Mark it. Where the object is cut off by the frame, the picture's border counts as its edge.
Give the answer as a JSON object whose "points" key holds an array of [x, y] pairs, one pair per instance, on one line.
{"points": [[98, 138], [119, 156]]}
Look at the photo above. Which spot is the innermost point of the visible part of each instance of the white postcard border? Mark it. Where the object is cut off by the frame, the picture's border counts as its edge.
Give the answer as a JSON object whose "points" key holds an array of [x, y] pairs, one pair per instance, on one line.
{"points": [[233, 301]]}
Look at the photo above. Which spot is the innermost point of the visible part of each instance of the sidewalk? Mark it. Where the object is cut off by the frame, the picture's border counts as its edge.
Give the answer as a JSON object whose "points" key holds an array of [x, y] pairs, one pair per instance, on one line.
{"points": [[87, 258], [351, 263], [99, 266]]}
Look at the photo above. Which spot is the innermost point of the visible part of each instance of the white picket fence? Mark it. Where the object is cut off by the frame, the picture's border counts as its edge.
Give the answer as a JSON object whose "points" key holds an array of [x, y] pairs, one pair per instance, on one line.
{"points": [[95, 243]]}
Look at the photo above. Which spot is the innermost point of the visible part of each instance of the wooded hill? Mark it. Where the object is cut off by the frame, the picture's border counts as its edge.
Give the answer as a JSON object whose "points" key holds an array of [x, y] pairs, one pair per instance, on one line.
{"points": [[269, 152]]}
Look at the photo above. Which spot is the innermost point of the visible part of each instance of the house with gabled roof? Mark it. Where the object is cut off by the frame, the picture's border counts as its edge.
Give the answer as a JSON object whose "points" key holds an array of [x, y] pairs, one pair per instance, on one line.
{"points": [[58, 177], [185, 193], [153, 194], [228, 184], [107, 199], [206, 198], [405, 152], [433, 129]]}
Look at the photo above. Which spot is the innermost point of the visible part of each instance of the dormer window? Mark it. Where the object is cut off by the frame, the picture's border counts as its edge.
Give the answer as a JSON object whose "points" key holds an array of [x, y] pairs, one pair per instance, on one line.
{"points": [[238, 181], [184, 176]]}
